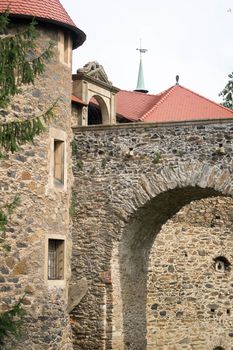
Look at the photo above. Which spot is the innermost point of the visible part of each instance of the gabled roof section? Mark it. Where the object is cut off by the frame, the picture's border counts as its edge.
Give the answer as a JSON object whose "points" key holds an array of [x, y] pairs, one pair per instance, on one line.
{"points": [[175, 104], [132, 105], [50, 11]]}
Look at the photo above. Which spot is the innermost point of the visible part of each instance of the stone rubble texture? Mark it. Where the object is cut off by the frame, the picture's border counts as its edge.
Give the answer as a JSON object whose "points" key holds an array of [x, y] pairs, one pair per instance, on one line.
{"points": [[153, 209], [42, 210]]}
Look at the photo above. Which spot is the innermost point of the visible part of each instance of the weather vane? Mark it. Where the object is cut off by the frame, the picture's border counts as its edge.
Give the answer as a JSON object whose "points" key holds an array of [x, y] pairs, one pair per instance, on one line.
{"points": [[141, 50]]}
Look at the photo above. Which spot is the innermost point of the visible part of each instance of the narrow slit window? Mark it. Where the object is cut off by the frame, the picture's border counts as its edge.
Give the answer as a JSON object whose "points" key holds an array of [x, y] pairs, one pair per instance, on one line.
{"points": [[56, 259], [59, 161]]}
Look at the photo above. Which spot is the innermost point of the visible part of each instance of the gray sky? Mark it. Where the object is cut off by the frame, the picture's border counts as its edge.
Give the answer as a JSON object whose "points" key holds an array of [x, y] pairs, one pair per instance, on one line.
{"points": [[192, 38]]}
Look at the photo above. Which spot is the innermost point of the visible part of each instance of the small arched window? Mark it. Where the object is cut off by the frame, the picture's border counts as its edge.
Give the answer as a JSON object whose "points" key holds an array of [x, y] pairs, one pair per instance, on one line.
{"points": [[221, 264]]}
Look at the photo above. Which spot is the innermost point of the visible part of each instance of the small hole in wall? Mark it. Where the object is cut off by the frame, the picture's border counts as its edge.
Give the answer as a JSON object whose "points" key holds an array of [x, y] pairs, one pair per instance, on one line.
{"points": [[228, 311], [217, 217], [212, 310], [221, 264], [185, 254]]}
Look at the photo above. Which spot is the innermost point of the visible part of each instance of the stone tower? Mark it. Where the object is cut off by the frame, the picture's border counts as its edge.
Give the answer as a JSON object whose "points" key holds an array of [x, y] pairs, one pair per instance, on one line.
{"points": [[40, 173]]}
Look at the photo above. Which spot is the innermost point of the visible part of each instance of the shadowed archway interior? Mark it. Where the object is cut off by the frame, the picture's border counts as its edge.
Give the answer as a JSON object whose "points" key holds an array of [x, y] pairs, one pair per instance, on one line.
{"points": [[97, 111], [137, 240]]}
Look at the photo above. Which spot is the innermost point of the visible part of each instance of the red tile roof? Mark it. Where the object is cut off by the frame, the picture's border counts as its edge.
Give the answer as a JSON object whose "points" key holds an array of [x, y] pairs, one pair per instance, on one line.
{"points": [[78, 100], [44, 10], [175, 104]]}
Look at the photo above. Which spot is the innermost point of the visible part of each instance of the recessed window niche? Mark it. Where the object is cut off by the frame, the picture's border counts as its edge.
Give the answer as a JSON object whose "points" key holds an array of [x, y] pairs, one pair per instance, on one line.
{"points": [[58, 159]]}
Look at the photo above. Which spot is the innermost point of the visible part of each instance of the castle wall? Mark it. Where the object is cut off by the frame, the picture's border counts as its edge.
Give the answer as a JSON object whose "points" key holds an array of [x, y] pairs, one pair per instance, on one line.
{"points": [[43, 211], [131, 183], [188, 300]]}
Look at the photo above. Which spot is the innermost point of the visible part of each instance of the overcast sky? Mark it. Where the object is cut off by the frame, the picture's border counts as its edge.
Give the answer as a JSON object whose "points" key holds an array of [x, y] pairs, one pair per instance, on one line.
{"points": [[192, 38]]}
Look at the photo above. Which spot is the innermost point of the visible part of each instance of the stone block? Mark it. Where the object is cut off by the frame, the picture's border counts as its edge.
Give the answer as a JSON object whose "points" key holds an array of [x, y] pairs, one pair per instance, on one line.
{"points": [[76, 293]]}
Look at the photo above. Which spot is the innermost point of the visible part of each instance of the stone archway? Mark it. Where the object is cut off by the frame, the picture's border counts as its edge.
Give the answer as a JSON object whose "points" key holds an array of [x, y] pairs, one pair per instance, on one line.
{"points": [[114, 186], [154, 200], [97, 111], [92, 81]]}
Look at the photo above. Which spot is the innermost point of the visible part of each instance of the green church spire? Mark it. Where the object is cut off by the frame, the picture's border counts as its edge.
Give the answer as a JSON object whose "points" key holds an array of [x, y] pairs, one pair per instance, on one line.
{"points": [[141, 84]]}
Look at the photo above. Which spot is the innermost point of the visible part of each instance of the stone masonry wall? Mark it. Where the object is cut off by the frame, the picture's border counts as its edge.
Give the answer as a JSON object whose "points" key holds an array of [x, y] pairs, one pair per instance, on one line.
{"points": [[43, 211], [129, 181], [189, 303]]}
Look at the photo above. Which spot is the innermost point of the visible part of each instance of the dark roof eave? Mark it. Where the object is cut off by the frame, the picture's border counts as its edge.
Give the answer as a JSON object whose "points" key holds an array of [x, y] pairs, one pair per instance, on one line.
{"points": [[77, 34]]}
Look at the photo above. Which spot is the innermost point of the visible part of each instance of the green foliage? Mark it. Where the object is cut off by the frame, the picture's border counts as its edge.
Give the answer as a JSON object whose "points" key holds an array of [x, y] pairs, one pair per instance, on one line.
{"points": [[73, 204], [19, 61], [4, 22], [20, 64], [11, 322], [5, 213], [16, 133], [80, 164], [10, 207], [227, 93], [104, 163], [156, 158], [74, 147]]}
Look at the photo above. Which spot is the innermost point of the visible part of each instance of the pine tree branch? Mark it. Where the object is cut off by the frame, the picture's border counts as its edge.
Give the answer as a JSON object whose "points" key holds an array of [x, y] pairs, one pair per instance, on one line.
{"points": [[16, 133], [19, 63], [227, 93]]}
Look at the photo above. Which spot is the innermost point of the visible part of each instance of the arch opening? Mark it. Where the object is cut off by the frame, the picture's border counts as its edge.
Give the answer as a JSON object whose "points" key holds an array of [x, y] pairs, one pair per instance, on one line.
{"points": [[97, 111], [138, 239]]}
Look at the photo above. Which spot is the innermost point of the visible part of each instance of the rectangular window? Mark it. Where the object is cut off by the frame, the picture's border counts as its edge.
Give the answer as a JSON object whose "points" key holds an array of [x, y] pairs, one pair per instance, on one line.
{"points": [[55, 259], [59, 161]]}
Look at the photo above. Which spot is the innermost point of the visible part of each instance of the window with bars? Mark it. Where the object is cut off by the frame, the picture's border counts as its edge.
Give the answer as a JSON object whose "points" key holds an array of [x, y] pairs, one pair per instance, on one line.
{"points": [[59, 161], [55, 259]]}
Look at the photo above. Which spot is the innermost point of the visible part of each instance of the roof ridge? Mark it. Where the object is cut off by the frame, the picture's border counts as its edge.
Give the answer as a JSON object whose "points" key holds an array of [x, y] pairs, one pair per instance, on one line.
{"points": [[207, 99], [146, 94], [137, 92], [170, 90], [166, 94]]}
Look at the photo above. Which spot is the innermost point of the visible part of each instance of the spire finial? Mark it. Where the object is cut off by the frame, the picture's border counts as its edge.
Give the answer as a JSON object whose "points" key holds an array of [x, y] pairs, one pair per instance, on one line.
{"points": [[141, 50], [140, 84], [177, 79]]}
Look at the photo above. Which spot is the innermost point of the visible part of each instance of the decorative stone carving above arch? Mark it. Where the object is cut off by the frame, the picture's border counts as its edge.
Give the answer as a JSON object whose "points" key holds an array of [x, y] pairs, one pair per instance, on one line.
{"points": [[92, 81], [96, 71]]}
